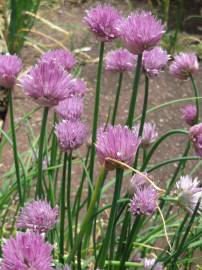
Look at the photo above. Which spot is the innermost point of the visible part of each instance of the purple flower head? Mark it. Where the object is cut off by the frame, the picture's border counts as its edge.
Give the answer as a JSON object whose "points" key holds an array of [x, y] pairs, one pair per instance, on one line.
{"points": [[102, 21], [140, 31], [149, 133], [70, 108], [189, 113], [195, 133], [120, 60], [154, 61], [47, 83], [148, 263], [26, 252], [144, 201], [189, 192], [78, 88], [10, 66], [37, 216], [71, 135], [63, 57], [137, 181], [116, 142], [184, 66]]}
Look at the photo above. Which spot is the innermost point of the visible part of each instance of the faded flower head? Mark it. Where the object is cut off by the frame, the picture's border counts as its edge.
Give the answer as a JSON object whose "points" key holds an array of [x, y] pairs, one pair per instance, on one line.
{"points": [[120, 60], [47, 83], [78, 88], [102, 21], [116, 142], [149, 133], [27, 251], [195, 133], [63, 57], [140, 31], [154, 61], [70, 108], [71, 135], [148, 264], [137, 181], [184, 66], [144, 201], [189, 113], [10, 66], [189, 192], [37, 216]]}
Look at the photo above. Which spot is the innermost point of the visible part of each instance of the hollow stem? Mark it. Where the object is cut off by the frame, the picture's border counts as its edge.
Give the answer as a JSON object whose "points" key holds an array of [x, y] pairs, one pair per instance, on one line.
{"points": [[118, 91], [40, 153], [196, 93], [15, 152], [62, 209], [133, 99], [69, 213]]}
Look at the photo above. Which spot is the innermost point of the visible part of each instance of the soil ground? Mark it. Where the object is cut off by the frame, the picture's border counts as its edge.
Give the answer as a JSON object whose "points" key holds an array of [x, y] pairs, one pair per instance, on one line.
{"points": [[162, 89]]}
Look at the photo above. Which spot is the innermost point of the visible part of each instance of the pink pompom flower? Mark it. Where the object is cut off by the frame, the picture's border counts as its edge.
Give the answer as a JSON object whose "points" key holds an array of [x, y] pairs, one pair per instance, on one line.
{"points": [[184, 66], [116, 142], [63, 57], [195, 133], [71, 135], [47, 83], [10, 66], [140, 31], [154, 61], [189, 114], [149, 134], [26, 251], [136, 182], [144, 201], [77, 88], [120, 60], [102, 20], [37, 216], [70, 108]]}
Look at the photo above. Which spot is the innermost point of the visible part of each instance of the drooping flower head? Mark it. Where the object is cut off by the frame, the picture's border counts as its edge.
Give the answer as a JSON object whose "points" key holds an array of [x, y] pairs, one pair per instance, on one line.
{"points": [[149, 263], [78, 88], [37, 216], [120, 60], [116, 142], [63, 57], [70, 108], [144, 201], [71, 135], [136, 182], [189, 192], [140, 31], [154, 61], [10, 66], [149, 133], [184, 65], [26, 252], [189, 114], [195, 133], [47, 83], [102, 21]]}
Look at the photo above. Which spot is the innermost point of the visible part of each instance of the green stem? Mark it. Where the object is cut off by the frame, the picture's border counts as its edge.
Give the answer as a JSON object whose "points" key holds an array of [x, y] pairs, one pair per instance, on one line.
{"points": [[127, 264], [62, 210], [133, 99], [69, 213], [15, 152], [96, 110], [89, 214], [158, 142], [196, 92], [40, 153], [144, 112], [128, 248], [107, 240], [118, 90]]}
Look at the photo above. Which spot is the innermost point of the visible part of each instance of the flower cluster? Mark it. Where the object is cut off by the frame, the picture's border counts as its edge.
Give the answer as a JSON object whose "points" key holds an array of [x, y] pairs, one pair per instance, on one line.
{"points": [[189, 114], [149, 134], [195, 134]]}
